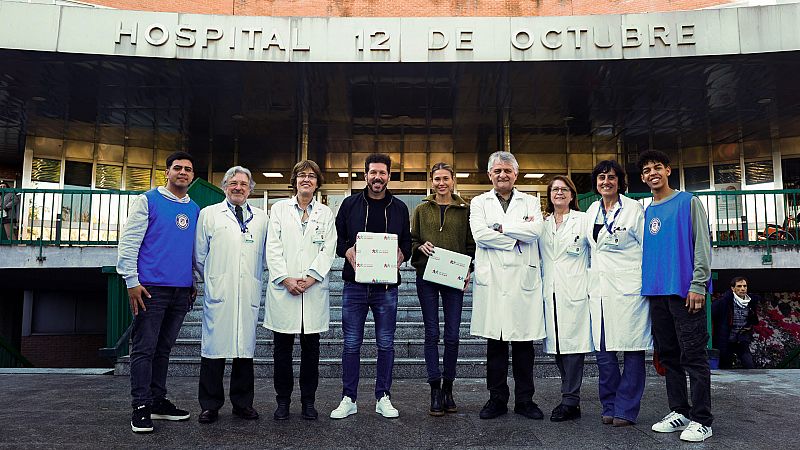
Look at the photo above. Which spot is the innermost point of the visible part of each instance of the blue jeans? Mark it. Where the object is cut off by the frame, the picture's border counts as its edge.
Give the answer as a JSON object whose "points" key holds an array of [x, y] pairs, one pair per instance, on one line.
{"points": [[620, 393], [153, 335], [357, 299], [452, 302]]}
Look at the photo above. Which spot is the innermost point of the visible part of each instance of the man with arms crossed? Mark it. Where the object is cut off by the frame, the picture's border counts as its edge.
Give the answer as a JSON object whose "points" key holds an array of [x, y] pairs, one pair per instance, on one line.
{"points": [[155, 259], [676, 271]]}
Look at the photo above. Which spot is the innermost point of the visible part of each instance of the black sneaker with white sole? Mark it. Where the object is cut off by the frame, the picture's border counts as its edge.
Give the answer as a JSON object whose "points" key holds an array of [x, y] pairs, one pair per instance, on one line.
{"points": [[163, 409], [140, 420]]}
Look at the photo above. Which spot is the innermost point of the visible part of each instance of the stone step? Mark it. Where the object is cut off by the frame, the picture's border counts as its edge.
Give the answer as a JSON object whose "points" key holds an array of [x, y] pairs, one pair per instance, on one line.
{"points": [[404, 330], [404, 314], [404, 368], [332, 348]]}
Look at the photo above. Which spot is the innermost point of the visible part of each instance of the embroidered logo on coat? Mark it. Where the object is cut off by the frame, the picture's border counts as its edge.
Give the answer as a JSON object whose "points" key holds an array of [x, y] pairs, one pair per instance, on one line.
{"points": [[655, 225], [182, 221]]}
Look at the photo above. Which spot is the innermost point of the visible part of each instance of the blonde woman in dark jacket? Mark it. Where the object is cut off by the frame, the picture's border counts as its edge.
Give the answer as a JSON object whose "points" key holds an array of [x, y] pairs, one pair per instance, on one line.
{"points": [[441, 220]]}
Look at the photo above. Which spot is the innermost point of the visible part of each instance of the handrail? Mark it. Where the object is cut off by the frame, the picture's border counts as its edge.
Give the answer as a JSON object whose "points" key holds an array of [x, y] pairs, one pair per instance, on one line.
{"points": [[741, 218], [11, 357], [119, 348]]}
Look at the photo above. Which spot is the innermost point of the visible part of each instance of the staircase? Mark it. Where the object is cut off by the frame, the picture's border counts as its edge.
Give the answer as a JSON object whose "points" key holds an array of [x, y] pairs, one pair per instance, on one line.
{"points": [[409, 341]]}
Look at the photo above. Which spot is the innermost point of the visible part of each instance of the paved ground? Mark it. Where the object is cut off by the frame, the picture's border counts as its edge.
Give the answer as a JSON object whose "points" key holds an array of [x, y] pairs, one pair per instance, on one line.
{"points": [[755, 409]]}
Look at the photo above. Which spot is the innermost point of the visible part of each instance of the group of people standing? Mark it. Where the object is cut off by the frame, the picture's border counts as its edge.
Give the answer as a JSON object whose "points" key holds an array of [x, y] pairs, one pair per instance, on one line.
{"points": [[616, 279]]}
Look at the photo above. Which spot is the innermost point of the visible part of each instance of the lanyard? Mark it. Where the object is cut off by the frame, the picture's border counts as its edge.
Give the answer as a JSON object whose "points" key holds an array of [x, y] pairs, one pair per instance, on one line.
{"points": [[613, 219], [243, 226]]}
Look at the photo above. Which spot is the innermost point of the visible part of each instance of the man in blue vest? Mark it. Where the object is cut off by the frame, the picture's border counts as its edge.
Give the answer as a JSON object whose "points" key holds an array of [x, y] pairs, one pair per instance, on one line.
{"points": [[155, 259], [675, 278]]}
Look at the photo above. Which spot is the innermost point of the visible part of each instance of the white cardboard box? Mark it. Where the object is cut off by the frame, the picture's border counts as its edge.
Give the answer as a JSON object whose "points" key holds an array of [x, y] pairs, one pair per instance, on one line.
{"points": [[376, 258], [447, 267]]}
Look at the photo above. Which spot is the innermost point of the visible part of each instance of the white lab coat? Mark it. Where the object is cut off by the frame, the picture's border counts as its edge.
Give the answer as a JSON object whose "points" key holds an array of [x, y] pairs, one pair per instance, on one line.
{"points": [[565, 264], [615, 279], [507, 299], [231, 264], [292, 253]]}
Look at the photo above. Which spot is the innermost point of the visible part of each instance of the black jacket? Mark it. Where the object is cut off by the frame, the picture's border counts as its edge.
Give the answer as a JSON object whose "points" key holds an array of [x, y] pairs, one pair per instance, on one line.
{"points": [[722, 320], [352, 218]]}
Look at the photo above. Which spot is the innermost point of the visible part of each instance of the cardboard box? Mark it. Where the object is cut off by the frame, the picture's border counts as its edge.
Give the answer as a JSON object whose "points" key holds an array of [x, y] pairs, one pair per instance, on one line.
{"points": [[376, 258], [447, 268]]}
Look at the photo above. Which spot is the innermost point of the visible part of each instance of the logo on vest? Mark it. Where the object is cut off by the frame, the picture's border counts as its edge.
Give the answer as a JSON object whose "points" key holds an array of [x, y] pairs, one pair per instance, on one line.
{"points": [[182, 221], [655, 225]]}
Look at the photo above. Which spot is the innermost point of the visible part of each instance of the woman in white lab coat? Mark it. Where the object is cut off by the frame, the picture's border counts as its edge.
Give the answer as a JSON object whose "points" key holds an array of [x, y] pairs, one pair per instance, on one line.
{"points": [[565, 260], [301, 244], [229, 256], [620, 315]]}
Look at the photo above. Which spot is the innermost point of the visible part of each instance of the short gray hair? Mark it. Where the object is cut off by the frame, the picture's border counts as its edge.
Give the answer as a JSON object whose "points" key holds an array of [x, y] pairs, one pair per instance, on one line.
{"points": [[505, 157], [238, 169]]}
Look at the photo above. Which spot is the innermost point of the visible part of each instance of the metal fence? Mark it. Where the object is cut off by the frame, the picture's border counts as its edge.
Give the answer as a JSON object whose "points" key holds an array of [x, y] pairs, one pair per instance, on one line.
{"points": [[736, 218], [63, 216]]}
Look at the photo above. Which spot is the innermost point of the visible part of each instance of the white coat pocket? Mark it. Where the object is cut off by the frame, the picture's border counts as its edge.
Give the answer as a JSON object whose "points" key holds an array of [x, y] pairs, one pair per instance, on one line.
{"points": [[483, 274], [531, 280], [629, 282]]}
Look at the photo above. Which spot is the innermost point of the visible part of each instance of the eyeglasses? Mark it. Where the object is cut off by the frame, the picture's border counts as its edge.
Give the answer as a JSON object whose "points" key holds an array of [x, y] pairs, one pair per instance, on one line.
{"points": [[560, 190], [234, 184], [309, 176]]}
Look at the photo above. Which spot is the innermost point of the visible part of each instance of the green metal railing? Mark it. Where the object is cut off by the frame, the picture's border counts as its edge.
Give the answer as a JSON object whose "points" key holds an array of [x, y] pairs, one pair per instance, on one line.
{"points": [[740, 218], [11, 357], [63, 216]]}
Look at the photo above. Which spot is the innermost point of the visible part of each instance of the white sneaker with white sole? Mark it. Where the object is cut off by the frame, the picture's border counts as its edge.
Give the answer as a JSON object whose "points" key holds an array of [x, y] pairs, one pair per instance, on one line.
{"points": [[384, 407], [671, 422], [696, 432], [347, 407]]}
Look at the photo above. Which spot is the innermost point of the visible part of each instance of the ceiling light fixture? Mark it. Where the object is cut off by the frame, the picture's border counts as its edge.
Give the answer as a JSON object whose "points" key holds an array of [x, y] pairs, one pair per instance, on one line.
{"points": [[462, 175], [534, 175], [343, 174], [273, 174]]}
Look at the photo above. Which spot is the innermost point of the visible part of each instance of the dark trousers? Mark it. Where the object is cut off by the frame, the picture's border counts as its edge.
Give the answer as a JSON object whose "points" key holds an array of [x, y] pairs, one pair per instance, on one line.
{"points": [[283, 375], [571, 369], [153, 335], [452, 302], [212, 393], [522, 354], [740, 349], [680, 339]]}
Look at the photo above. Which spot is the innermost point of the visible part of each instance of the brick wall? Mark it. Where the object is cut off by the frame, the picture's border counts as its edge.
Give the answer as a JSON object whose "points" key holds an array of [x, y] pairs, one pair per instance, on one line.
{"points": [[409, 8], [65, 350]]}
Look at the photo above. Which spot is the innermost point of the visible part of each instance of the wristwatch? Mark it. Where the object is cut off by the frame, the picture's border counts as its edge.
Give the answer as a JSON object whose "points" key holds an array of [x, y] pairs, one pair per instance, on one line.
{"points": [[496, 227]]}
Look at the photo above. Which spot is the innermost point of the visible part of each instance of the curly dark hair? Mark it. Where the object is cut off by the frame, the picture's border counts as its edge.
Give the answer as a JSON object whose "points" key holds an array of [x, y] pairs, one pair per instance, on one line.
{"points": [[652, 156], [379, 158]]}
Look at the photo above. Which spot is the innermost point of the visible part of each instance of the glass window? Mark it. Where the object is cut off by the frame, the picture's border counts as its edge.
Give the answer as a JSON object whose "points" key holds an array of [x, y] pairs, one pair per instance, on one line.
{"points": [[137, 179], [696, 178], [791, 173], [47, 170], [161, 176], [77, 174], [727, 173], [108, 177], [757, 172]]}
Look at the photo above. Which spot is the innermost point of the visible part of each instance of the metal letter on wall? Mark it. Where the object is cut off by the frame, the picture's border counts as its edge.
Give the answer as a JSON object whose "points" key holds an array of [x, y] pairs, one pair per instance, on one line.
{"points": [[631, 37], [122, 32], [148, 35], [437, 40], [522, 39]]}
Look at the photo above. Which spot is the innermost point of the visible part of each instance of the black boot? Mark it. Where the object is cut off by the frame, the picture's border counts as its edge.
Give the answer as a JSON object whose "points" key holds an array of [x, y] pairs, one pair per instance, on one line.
{"points": [[282, 411], [436, 400], [448, 403]]}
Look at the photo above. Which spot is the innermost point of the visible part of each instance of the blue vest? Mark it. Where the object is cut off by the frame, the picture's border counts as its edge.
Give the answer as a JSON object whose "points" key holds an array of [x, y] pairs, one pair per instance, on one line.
{"points": [[165, 256], [668, 248]]}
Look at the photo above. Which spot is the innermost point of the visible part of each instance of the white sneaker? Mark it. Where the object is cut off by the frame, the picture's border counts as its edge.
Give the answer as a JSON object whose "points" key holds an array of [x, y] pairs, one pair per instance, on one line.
{"points": [[384, 407], [671, 422], [696, 432], [347, 407]]}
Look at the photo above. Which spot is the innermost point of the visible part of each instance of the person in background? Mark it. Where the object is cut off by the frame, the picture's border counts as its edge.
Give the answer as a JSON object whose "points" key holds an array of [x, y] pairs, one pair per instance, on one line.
{"points": [[565, 260], [9, 210], [441, 220], [154, 256], [733, 317], [676, 275], [229, 256], [507, 306], [301, 245], [620, 315]]}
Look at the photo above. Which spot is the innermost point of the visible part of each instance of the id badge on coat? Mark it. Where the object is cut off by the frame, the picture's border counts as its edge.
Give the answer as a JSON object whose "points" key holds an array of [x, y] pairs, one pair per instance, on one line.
{"points": [[613, 240], [574, 250], [319, 235], [248, 237]]}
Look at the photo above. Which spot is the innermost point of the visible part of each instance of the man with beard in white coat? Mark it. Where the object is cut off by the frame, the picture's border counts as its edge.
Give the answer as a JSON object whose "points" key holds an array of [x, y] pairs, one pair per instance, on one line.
{"points": [[229, 256], [507, 302], [301, 245]]}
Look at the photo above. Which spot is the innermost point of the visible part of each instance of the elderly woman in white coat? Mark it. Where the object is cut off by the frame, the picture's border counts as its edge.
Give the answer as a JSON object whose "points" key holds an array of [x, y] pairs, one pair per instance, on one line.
{"points": [[301, 244], [620, 315], [565, 261], [507, 300], [229, 256]]}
